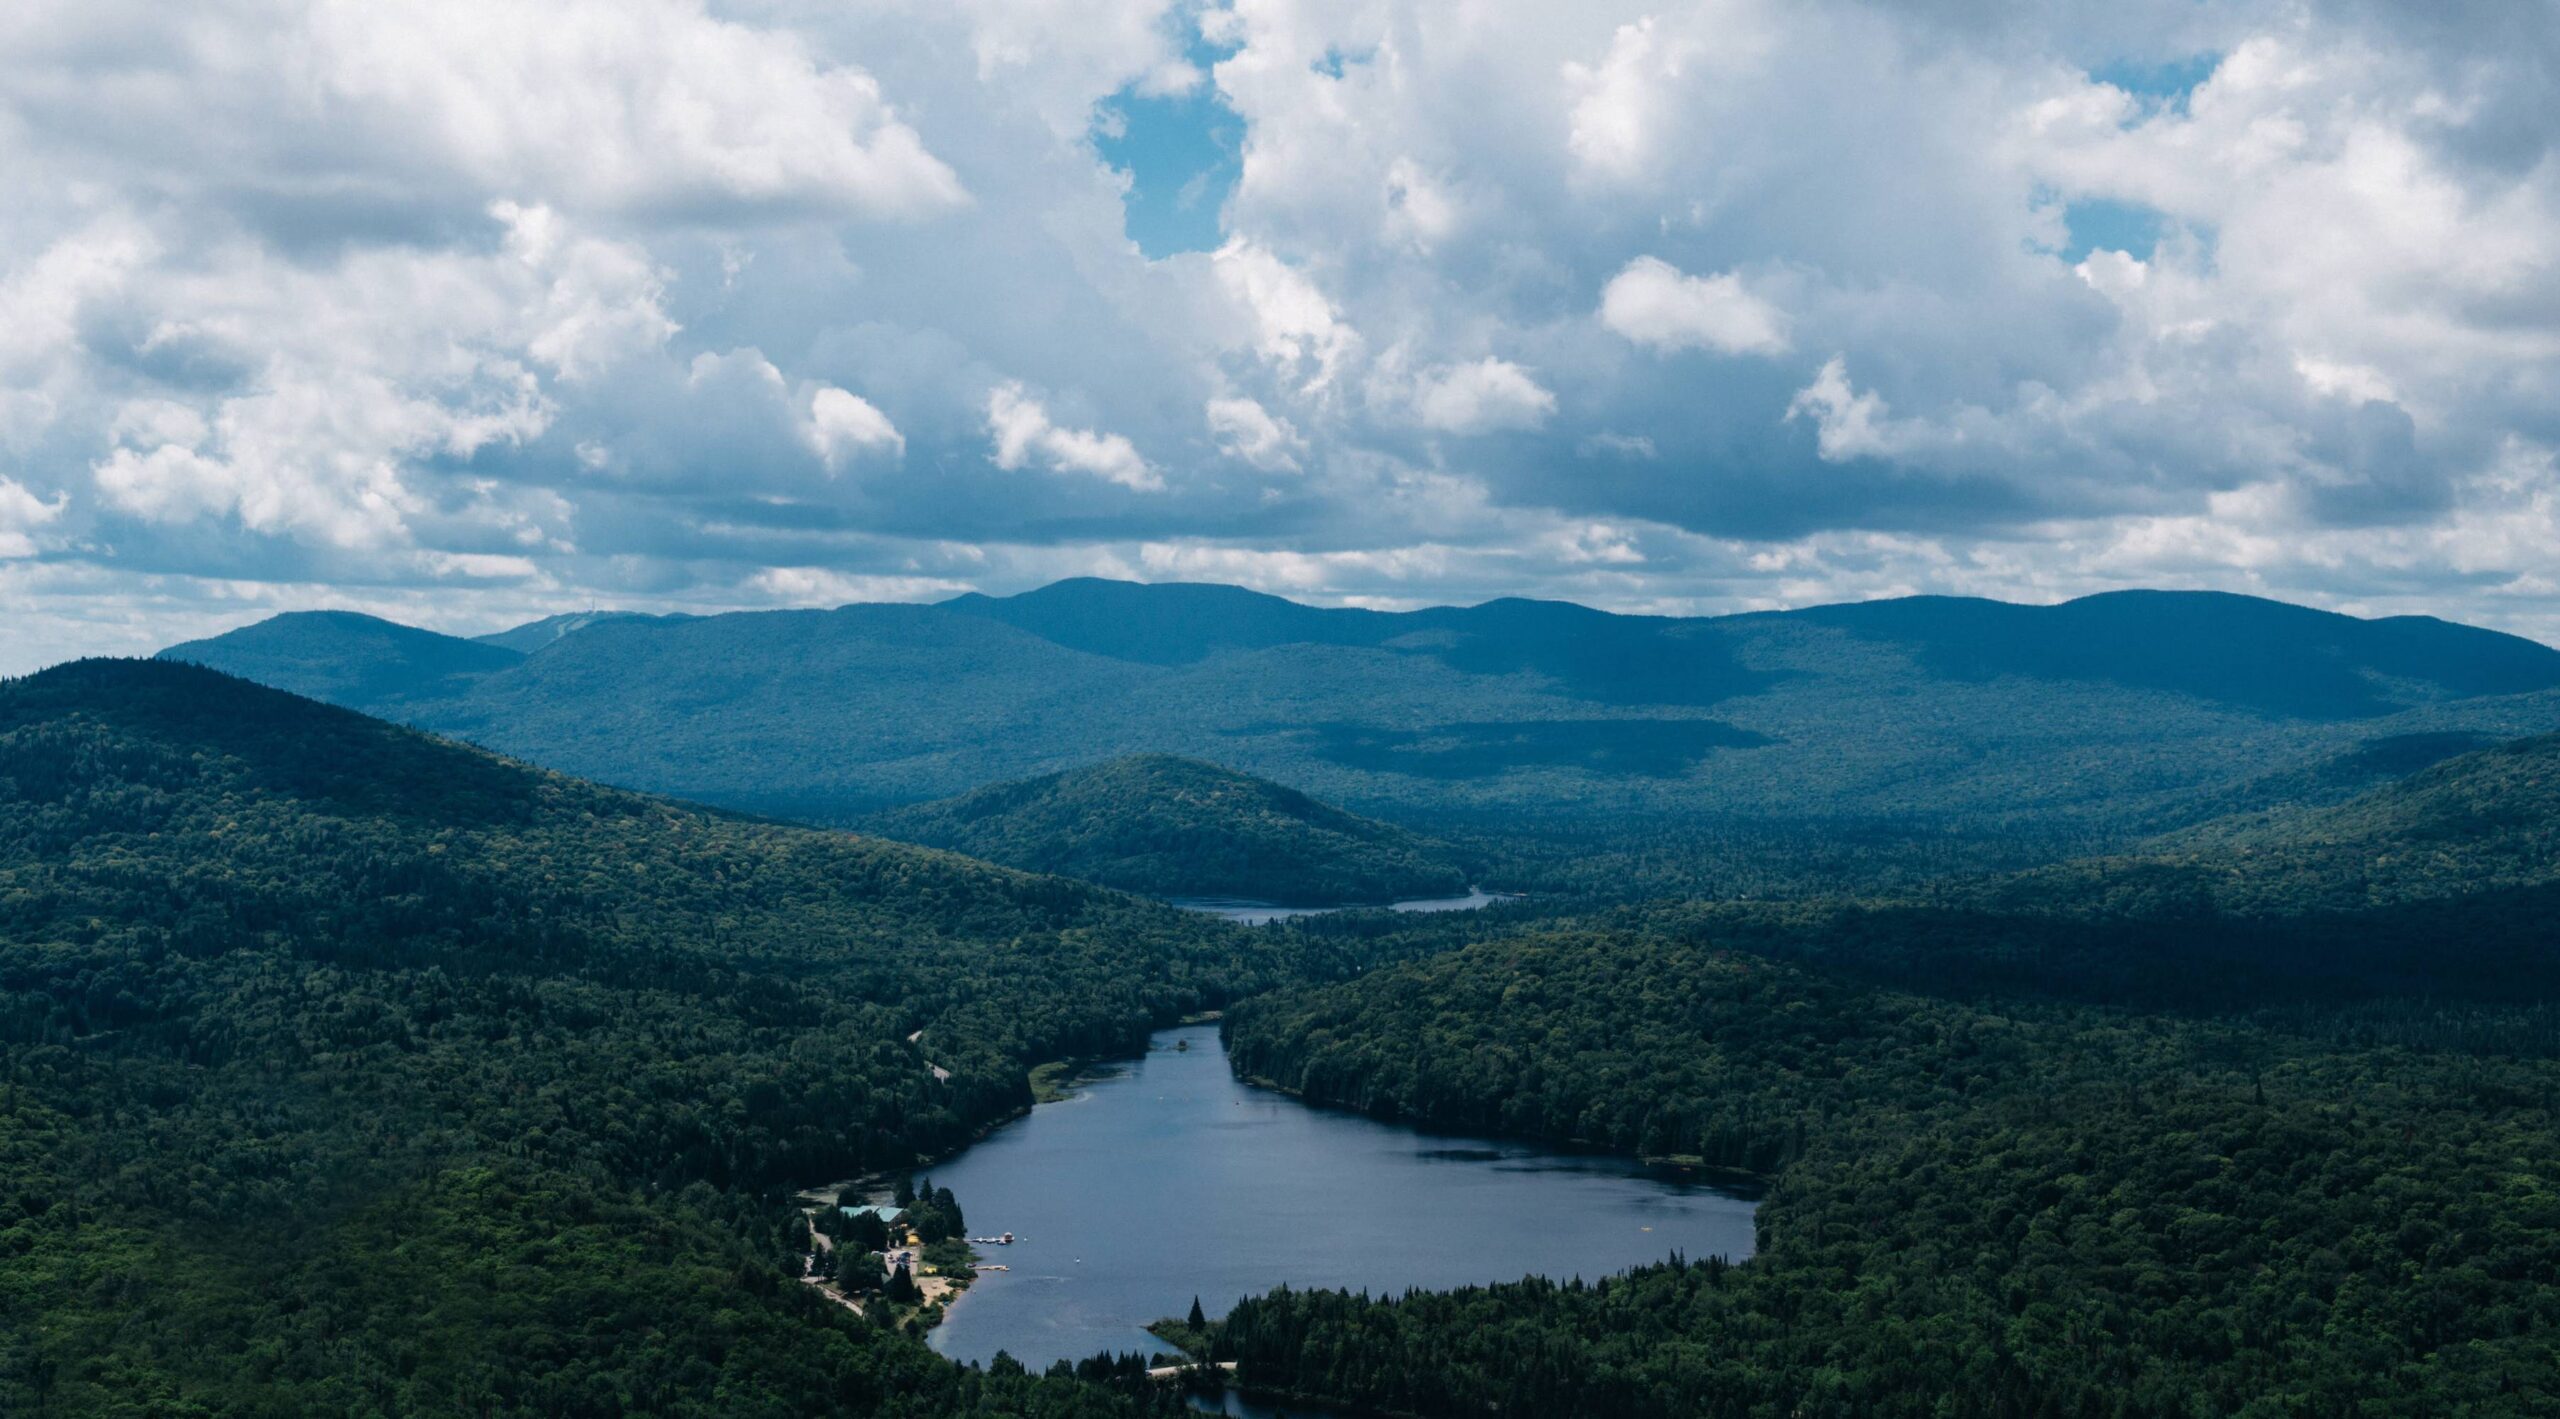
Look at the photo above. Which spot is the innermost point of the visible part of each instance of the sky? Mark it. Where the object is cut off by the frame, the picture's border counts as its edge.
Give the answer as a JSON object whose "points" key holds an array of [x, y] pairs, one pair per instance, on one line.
{"points": [[463, 312]]}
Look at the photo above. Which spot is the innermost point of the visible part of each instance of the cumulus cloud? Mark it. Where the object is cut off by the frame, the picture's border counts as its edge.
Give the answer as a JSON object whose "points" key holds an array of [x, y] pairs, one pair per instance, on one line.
{"points": [[1849, 423], [21, 513], [625, 106], [597, 303], [42, 302], [843, 425], [1479, 397], [1655, 304], [1057, 56], [354, 373], [1296, 328], [1023, 435], [610, 301], [1620, 104], [314, 451], [1245, 430]]}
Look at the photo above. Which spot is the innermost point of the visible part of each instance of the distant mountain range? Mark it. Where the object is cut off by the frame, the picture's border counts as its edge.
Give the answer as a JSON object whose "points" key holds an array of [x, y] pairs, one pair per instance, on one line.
{"points": [[1174, 827], [2131, 711]]}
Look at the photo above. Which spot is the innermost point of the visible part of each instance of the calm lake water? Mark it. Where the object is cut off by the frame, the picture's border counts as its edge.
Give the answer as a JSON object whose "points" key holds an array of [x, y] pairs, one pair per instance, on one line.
{"points": [[1168, 1179], [1236, 909]]}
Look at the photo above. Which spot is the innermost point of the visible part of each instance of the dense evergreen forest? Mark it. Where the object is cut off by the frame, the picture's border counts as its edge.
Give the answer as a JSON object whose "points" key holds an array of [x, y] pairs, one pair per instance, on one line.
{"points": [[1985, 1207], [351, 1071], [2293, 1185], [1174, 827]]}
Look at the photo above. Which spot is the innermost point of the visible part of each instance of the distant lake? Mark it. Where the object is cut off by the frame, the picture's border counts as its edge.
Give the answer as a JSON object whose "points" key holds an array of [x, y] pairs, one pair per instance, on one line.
{"points": [[1248, 913], [1168, 1179]]}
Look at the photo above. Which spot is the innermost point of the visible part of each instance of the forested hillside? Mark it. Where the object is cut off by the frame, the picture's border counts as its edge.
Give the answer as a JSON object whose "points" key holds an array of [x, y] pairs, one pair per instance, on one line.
{"points": [[2113, 716], [429, 1081], [1979, 1209], [349, 1070], [2442, 887], [350, 659], [2486, 821], [1173, 827], [2303, 1193]]}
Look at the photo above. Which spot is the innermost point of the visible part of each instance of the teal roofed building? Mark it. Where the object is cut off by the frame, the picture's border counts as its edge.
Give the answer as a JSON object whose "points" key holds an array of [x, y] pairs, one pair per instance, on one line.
{"points": [[890, 1215]]}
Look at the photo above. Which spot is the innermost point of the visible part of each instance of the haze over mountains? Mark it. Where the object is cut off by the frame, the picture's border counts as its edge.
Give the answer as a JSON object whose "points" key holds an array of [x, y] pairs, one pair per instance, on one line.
{"points": [[2131, 711]]}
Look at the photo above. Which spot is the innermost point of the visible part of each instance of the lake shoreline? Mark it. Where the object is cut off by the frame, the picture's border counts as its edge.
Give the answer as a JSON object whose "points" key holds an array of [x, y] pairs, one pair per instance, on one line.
{"points": [[1064, 1082], [1074, 1069], [1248, 911], [1716, 1175], [1177, 1178]]}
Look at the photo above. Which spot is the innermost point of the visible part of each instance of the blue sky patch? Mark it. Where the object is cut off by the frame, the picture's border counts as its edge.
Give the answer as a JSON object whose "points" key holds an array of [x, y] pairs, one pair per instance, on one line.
{"points": [[1183, 154], [2099, 224], [2167, 81]]}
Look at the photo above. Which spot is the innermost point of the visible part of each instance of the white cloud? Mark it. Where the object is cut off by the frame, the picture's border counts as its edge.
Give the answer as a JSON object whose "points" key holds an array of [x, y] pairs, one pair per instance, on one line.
{"points": [[1296, 327], [639, 104], [1245, 430], [21, 513], [1021, 429], [1420, 209], [1619, 109], [1056, 56], [301, 290], [822, 586], [599, 302], [2361, 383], [315, 452], [2344, 220], [1633, 107], [1848, 423], [1655, 304], [1485, 396], [42, 304], [356, 372], [843, 425], [590, 105]]}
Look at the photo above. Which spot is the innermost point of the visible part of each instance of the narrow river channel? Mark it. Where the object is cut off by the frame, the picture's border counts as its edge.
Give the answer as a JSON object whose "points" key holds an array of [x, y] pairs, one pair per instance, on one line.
{"points": [[1166, 1179]]}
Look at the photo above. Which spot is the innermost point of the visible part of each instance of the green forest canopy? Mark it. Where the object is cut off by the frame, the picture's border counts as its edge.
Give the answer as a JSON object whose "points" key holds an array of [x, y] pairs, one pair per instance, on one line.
{"points": [[1175, 827], [356, 1071], [349, 1070]]}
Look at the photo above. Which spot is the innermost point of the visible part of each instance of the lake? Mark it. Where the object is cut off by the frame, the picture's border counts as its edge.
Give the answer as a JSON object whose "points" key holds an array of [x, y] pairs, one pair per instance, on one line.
{"points": [[1167, 1178], [1250, 913]]}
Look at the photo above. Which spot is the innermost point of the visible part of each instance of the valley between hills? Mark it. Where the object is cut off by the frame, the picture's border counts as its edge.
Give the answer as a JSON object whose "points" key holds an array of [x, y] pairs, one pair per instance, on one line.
{"points": [[2142, 1006]]}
